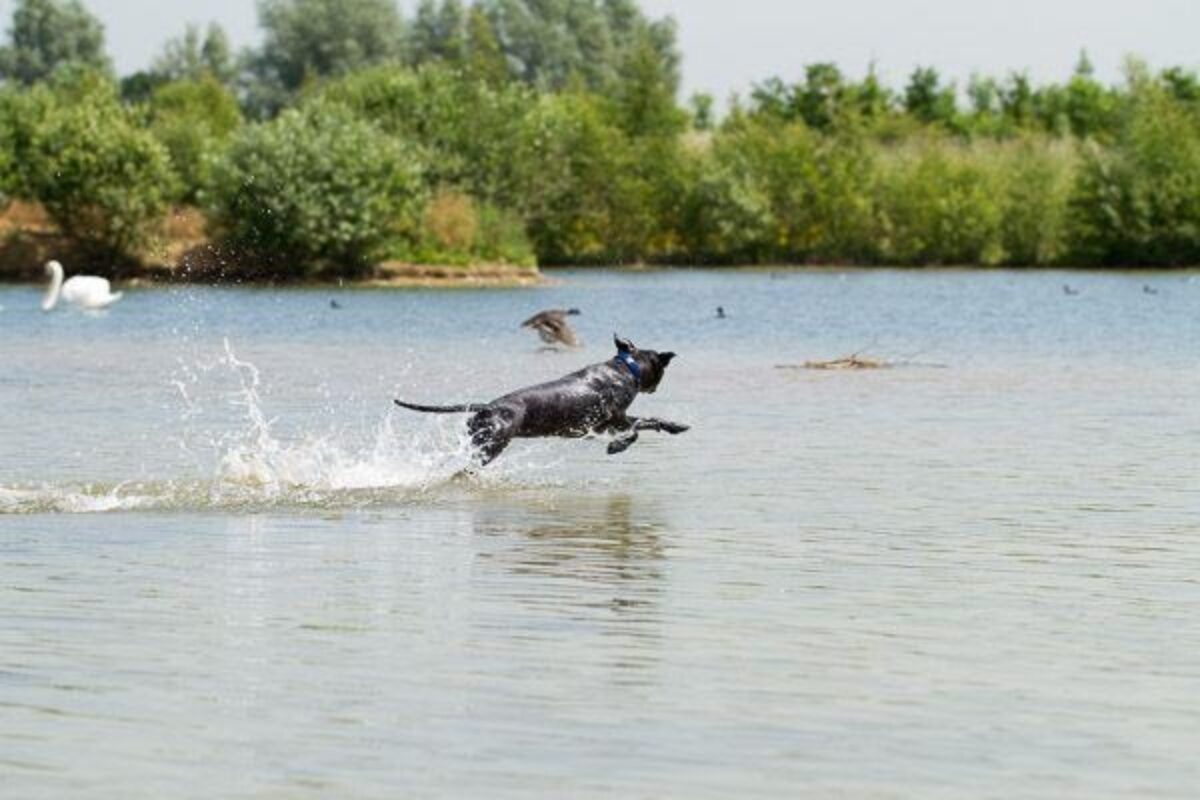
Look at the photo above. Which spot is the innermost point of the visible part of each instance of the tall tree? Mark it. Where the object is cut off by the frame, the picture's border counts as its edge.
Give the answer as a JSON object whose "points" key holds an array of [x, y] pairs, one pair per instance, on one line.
{"points": [[307, 39], [192, 56], [926, 99], [485, 59], [47, 34], [438, 33], [554, 43]]}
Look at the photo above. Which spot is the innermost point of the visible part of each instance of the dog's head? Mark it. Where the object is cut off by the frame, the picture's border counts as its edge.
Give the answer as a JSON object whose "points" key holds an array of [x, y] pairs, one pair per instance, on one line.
{"points": [[651, 365]]}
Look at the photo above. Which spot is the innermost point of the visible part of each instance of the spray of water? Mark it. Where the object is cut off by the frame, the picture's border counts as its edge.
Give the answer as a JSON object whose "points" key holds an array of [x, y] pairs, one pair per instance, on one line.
{"points": [[248, 465]]}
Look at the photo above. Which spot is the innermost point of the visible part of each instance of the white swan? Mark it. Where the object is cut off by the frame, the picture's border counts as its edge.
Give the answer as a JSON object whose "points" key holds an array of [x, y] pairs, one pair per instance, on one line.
{"points": [[85, 291]]}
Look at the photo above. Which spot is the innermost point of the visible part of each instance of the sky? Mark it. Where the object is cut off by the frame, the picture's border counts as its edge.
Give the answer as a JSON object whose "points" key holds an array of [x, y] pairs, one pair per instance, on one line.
{"points": [[728, 45]]}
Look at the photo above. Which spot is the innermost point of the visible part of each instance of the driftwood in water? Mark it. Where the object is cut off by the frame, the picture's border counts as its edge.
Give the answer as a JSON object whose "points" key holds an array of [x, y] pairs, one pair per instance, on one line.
{"points": [[852, 361]]}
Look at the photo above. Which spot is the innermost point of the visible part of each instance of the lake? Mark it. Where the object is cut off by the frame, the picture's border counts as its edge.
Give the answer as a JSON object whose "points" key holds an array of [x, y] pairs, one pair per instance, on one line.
{"points": [[229, 567]]}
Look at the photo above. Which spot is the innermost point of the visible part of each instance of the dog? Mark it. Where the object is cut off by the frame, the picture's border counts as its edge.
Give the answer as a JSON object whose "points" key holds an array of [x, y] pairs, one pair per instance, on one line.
{"points": [[591, 401]]}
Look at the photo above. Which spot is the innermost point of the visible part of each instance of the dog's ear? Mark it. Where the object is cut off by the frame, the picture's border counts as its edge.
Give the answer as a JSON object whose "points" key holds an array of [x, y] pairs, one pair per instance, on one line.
{"points": [[665, 358], [623, 345]]}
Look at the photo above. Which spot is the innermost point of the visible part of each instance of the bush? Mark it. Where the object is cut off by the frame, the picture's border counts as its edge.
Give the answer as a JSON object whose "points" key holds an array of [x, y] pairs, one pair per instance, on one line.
{"points": [[940, 203], [104, 181], [1138, 202], [317, 187], [1038, 173], [469, 129], [778, 191], [455, 229], [586, 194], [195, 120]]}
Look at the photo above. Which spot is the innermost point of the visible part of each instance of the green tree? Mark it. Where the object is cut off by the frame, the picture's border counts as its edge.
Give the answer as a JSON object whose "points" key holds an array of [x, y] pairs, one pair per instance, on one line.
{"points": [[438, 32], [470, 131], [1138, 201], [927, 100], [195, 119], [703, 115], [318, 187], [309, 39], [103, 179], [549, 43], [485, 59], [192, 56], [47, 34], [645, 94]]}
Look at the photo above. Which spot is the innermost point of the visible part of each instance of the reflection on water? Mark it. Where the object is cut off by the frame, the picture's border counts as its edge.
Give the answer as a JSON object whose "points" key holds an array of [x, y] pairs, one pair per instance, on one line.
{"points": [[230, 568], [597, 560]]}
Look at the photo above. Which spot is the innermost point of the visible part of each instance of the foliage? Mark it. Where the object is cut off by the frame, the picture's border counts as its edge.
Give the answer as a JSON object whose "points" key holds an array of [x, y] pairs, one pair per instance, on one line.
{"points": [[1138, 202], [775, 192], [469, 129], [455, 229], [318, 186], [506, 129], [939, 204], [194, 118], [104, 180], [48, 34], [190, 57], [589, 198], [550, 43], [308, 39]]}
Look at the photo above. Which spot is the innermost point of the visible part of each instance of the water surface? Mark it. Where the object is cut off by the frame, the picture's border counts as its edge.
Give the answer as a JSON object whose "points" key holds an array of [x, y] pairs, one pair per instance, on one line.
{"points": [[228, 567]]}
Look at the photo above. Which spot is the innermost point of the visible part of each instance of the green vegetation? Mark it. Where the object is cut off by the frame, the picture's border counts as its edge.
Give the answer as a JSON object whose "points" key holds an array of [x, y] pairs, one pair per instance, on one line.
{"points": [[317, 186], [102, 177], [552, 131]]}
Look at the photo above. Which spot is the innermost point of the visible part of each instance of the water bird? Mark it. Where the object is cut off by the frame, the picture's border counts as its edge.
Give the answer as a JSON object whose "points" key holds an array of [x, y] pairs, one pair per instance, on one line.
{"points": [[1068, 290], [334, 304], [720, 312], [1148, 289], [552, 326], [85, 291]]}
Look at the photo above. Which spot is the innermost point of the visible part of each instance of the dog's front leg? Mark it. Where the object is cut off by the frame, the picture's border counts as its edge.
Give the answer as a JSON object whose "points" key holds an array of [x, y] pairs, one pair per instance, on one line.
{"points": [[622, 443], [660, 425]]}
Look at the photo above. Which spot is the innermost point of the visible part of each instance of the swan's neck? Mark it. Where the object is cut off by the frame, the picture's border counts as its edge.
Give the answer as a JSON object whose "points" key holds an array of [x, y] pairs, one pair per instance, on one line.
{"points": [[55, 288]]}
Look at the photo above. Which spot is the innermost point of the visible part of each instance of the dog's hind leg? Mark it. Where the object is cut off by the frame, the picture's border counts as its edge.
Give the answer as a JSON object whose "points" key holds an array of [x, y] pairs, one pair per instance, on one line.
{"points": [[491, 432]]}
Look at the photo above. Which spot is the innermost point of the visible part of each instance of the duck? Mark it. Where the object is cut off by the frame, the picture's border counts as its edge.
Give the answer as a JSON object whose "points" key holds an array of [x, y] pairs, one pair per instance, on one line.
{"points": [[84, 291], [551, 325]]}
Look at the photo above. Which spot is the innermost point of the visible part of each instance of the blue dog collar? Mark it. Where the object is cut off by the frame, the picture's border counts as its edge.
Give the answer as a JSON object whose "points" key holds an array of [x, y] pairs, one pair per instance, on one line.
{"points": [[631, 363]]}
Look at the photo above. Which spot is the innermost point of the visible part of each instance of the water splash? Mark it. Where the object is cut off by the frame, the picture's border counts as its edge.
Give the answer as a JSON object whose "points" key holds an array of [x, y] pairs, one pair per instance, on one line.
{"points": [[251, 466]]}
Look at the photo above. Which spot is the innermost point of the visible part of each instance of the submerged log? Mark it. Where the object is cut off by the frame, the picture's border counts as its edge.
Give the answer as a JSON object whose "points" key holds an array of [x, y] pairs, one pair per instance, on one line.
{"points": [[853, 361]]}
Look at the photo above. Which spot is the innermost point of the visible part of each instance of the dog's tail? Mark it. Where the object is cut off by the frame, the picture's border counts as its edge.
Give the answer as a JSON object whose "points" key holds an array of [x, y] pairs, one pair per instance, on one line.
{"points": [[466, 408]]}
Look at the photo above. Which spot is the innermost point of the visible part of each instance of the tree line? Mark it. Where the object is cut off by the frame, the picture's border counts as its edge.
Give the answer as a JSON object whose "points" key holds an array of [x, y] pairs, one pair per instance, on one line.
{"points": [[552, 130]]}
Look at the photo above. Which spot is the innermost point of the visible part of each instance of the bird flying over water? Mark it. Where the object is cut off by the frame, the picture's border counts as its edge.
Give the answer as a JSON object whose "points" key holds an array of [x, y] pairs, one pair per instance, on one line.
{"points": [[552, 326]]}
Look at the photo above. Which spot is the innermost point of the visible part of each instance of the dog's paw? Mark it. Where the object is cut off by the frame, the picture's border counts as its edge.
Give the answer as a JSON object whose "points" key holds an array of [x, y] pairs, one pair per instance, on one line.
{"points": [[619, 446]]}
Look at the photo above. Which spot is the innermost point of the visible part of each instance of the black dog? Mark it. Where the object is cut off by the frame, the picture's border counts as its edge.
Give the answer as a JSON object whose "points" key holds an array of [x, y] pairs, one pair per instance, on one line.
{"points": [[590, 401]]}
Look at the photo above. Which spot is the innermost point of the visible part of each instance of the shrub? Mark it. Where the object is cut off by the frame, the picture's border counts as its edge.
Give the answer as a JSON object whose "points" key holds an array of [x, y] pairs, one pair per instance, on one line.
{"points": [[779, 191], [195, 120], [1037, 174], [456, 229], [586, 195], [317, 187], [104, 181], [940, 203], [1138, 202], [469, 129]]}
